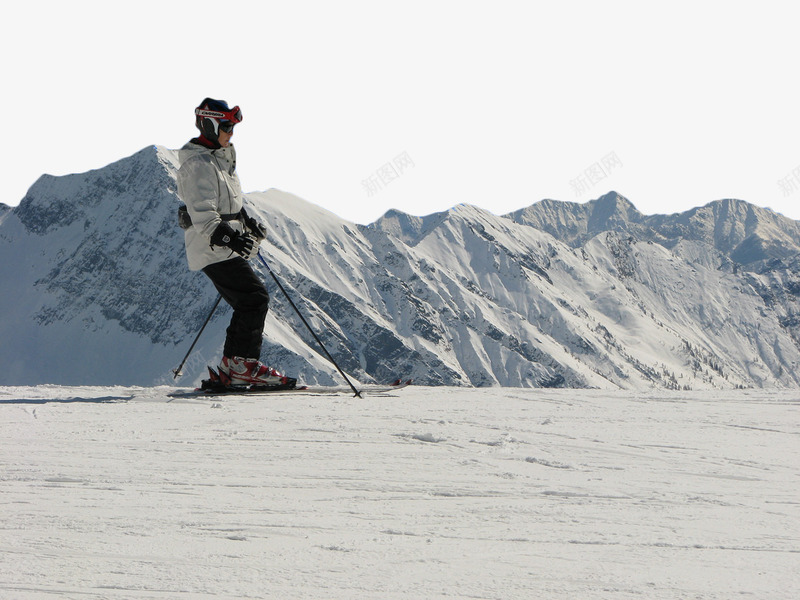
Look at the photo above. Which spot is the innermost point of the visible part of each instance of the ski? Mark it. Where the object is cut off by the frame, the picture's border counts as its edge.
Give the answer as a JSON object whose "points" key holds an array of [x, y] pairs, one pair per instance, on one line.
{"points": [[220, 390]]}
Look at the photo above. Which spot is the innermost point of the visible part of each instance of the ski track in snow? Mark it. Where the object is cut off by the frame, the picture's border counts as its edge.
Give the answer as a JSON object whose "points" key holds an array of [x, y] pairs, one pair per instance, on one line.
{"points": [[426, 493]]}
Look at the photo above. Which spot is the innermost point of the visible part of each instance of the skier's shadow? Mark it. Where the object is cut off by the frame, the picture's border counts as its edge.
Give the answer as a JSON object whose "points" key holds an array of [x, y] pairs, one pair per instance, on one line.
{"points": [[99, 400]]}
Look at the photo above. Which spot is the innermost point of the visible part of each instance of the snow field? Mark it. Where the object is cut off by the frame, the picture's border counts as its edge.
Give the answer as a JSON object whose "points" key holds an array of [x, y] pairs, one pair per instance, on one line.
{"points": [[426, 493]]}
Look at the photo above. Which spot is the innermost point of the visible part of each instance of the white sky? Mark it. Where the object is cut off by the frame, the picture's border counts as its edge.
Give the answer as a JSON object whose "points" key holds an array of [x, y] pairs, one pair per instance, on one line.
{"points": [[497, 103]]}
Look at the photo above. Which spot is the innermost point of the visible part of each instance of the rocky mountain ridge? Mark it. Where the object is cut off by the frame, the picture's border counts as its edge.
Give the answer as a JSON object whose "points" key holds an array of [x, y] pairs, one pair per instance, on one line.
{"points": [[96, 290]]}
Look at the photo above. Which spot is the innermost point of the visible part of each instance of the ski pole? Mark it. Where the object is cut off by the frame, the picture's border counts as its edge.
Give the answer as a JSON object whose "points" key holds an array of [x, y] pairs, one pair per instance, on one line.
{"points": [[177, 371], [302, 318]]}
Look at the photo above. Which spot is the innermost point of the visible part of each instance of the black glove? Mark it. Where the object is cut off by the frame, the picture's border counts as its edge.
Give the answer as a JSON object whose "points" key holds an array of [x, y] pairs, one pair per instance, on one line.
{"points": [[256, 228], [184, 220], [244, 245]]}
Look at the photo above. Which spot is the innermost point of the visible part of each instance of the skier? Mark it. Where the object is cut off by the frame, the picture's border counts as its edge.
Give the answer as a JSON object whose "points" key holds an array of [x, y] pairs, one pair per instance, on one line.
{"points": [[221, 237]]}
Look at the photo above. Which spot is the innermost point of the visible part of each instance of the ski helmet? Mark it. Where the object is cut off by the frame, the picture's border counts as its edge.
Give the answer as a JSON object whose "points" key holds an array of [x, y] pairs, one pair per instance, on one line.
{"points": [[213, 114]]}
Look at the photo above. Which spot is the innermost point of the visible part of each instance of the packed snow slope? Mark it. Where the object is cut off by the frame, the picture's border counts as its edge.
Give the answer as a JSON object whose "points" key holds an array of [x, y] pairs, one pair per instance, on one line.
{"points": [[433, 493], [95, 290]]}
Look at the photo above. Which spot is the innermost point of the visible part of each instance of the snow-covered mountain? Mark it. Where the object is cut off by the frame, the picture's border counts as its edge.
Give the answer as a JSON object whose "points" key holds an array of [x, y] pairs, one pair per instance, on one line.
{"points": [[4, 210], [95, 290], [745, 233]]}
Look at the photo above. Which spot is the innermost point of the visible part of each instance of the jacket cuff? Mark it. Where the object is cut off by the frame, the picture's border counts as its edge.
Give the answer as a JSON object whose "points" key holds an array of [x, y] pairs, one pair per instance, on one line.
{"points": [[223, 235]]}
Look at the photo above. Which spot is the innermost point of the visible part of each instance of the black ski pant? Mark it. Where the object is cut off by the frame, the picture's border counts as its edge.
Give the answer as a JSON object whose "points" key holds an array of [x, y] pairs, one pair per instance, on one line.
{"points": [[238, 284]]}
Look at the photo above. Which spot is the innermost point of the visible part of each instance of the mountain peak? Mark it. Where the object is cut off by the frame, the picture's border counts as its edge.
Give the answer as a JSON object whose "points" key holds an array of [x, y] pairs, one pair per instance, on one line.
{"points": [[576, 223], [399, 224], [408, 228], [612, 211], [53, 202]]}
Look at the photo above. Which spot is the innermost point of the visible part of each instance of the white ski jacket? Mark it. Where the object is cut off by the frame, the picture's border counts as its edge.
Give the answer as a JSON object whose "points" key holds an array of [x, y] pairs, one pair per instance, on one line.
{"points": [[210, 189]]}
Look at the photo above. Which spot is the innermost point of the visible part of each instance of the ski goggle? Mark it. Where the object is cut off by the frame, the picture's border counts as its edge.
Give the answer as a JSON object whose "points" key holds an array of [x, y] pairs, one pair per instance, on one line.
{"points": [[233, 115]]}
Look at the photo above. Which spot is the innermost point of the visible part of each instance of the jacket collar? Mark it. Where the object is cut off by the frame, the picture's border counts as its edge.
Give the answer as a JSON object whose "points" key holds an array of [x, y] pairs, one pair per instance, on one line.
{"points": [[204, 141]]}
